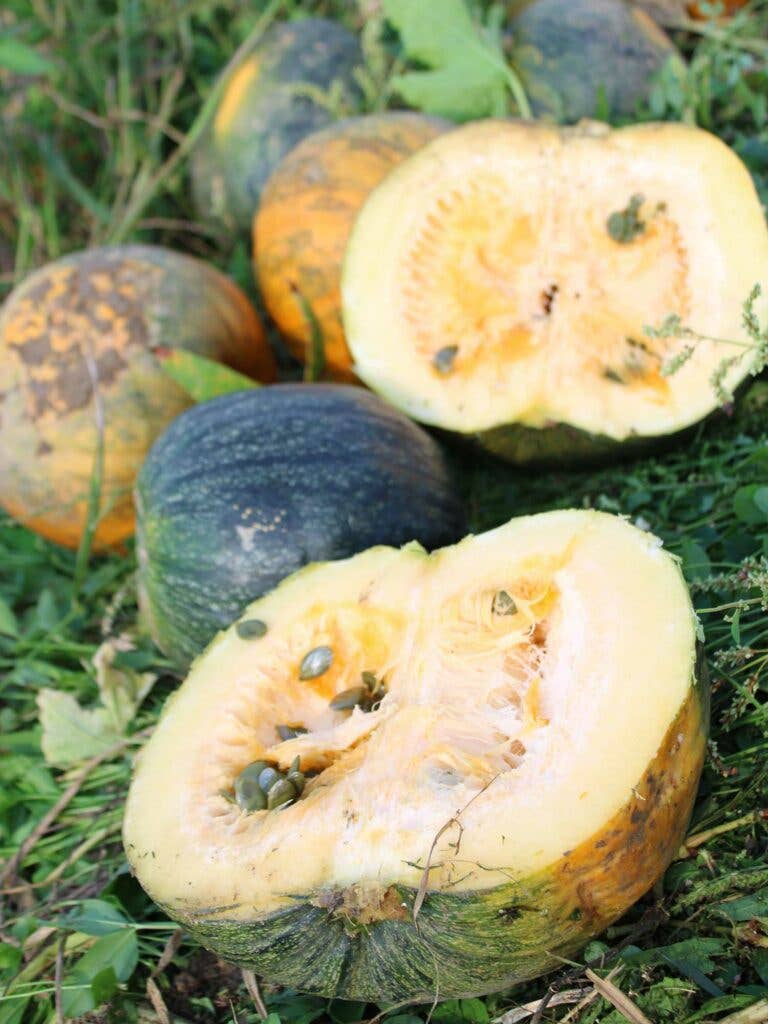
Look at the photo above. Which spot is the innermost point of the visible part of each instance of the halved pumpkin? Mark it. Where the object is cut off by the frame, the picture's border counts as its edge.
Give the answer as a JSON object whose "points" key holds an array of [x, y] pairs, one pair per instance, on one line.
{"points": [[500, 281], [484, 756]]}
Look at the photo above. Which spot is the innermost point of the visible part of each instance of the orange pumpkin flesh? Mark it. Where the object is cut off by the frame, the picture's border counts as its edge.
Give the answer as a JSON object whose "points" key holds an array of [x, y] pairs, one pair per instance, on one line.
{"points": [[89, 323], [306, 214]]}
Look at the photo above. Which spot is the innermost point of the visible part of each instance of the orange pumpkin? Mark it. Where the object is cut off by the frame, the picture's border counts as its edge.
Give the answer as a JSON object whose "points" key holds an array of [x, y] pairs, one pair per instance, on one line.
{"points": [[306, 215], [76, 362]]}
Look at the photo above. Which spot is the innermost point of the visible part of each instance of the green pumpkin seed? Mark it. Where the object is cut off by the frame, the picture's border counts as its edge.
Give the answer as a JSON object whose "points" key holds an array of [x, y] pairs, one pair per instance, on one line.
{"points": [[281, 793], [297, 780], [290, 732], [350, 698], [251, 629], [316, 662], [503, 604], [370, 681], [444, 358], [268, 778], [295, 764], [248, 793]]}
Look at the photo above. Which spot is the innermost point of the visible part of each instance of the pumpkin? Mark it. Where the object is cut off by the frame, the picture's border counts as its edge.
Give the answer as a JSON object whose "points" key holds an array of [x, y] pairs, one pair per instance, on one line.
{"points": [[580, 57], [245, 489], [277, 94], [306, 214], [519, 266], [76, 363], [405, 776]]}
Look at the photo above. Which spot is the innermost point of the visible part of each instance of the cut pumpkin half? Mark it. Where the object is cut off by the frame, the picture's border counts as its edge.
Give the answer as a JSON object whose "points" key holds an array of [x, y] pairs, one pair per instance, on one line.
{"points": [[501, 281], [406, 775]]}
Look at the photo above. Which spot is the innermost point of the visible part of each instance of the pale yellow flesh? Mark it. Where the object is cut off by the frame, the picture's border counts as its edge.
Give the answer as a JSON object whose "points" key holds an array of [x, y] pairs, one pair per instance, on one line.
{"points": [[533, 727], [494, 238]]}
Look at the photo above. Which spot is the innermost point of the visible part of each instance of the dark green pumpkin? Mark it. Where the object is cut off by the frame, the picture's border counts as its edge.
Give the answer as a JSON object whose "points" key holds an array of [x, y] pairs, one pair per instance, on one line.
{"points": [[581, 58], [276, 95], [243, 490]]}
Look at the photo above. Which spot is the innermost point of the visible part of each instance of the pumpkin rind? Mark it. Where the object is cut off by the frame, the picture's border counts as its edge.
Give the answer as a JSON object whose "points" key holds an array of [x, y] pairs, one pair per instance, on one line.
{"points": [[98, 315], [243, 490], [306, 215], [580, 57], [485, 916], [267, 107]]}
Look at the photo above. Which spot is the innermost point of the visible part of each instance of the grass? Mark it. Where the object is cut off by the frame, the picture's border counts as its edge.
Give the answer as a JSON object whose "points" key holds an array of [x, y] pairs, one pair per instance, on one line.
{"points": [[95, 144]]}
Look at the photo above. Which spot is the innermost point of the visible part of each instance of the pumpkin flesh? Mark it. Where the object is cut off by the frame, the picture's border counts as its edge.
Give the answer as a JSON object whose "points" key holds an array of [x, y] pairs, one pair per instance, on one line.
{"points": [[539, 766]]}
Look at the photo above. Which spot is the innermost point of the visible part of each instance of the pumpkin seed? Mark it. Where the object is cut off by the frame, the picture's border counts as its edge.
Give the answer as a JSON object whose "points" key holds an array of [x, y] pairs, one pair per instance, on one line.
{"points": [[251, 629], [350, 698], [503, 604], [268, 778], [297, 780], [444, 358], [282, 792], [316, 662], [295, 764], [248, 793], [290, 732]]}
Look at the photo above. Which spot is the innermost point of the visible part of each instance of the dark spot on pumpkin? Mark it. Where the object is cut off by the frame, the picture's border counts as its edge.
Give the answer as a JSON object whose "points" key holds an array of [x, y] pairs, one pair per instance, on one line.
{"points": [[636, 816], [43, 448], [601, 843], [94, 303], [511, 913], [576, 914], [35, 352]]}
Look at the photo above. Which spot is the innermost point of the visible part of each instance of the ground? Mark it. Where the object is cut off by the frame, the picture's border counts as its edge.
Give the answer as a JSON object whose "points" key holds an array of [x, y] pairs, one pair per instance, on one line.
{"points": [[99, 106]]}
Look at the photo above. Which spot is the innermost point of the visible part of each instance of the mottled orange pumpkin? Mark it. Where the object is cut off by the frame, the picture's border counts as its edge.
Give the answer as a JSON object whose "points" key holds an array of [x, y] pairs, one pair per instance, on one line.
{"points": [[76, 341], [307, 211]]}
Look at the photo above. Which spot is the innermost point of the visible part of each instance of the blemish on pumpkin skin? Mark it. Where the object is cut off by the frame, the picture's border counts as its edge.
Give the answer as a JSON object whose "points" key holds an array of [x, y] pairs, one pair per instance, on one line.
{"points": [[72, 307]]}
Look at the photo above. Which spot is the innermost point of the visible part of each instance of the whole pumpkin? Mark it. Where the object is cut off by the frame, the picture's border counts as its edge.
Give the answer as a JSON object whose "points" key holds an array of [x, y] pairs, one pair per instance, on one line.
{"points": [[276, 95], [243, 490], [306, 215], [76, 363], [578, 58]]}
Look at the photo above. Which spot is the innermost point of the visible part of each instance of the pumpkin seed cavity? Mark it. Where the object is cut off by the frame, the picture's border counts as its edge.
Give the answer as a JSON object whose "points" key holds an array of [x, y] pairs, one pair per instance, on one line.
{"points": [[316, 662]]}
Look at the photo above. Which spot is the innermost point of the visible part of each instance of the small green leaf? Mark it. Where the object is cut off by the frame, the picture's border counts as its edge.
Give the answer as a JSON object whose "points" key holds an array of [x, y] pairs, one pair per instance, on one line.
{"points": [[746, 507], [21, 59], [200, 377], [696, 564], [72, 733], [122, 690], [96, 917], [8, 624], [118, 953], [103, 986]]}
